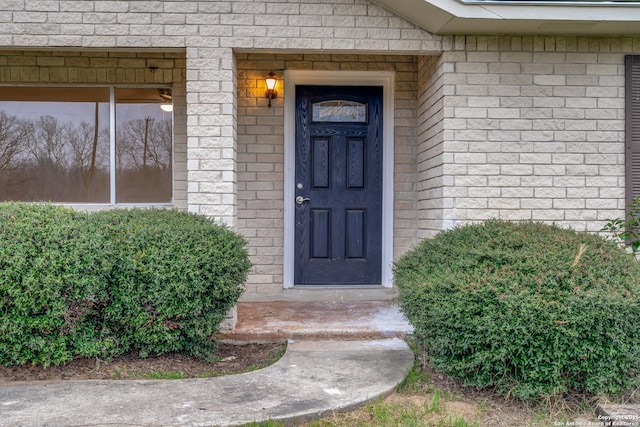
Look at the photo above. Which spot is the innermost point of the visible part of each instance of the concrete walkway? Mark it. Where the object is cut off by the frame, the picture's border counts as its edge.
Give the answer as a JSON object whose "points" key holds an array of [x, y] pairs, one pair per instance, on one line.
{"points": [[312, 379], [340, 355]]}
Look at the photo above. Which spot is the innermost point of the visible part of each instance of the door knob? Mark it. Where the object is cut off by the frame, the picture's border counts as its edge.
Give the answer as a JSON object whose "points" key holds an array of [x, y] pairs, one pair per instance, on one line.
{"points": [[300, 200]]}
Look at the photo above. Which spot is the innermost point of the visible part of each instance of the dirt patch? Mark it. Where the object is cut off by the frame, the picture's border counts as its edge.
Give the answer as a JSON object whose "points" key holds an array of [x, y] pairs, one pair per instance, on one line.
{"points": [[232, 359]]}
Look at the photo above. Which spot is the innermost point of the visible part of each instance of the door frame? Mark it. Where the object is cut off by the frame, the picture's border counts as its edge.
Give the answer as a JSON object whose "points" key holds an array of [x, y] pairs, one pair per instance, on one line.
{"points": [[386, 79]]}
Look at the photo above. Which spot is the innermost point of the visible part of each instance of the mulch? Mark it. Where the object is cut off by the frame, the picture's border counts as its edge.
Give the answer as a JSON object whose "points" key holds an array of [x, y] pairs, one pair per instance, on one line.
{"points": [[232, 359]]}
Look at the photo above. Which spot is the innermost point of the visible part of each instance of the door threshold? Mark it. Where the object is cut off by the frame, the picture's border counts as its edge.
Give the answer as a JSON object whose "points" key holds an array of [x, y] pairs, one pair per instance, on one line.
{"points": [[326, 293], [337, 286]]}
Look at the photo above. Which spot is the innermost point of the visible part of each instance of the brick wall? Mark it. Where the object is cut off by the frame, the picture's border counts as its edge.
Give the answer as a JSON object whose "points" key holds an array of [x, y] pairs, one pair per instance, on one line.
{"points": [[337, 25], [515, 127], [261, 153], [210, 32], [534, 129], [90, 67], [429, 151]]}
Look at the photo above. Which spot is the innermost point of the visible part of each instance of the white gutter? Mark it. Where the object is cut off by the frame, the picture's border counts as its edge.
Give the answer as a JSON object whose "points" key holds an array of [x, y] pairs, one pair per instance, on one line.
{"points": [[520, 17], [603, 3]]}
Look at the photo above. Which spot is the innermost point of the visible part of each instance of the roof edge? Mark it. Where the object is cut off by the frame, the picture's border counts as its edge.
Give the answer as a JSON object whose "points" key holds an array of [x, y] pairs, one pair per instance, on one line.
{"points": [[539, 17]]}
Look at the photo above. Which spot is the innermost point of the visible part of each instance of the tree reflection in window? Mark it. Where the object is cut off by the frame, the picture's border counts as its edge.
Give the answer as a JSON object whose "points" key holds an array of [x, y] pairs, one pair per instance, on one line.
{"points": [[143, 148], [55, 146]]}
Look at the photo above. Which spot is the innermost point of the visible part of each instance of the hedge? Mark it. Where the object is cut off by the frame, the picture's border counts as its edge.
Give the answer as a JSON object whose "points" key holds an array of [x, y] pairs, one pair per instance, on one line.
{"points": [[527, 309], [150, 281]]}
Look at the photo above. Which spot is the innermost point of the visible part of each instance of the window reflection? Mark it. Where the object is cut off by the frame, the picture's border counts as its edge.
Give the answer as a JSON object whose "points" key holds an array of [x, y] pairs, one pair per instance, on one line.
{"points": [[54, 144], [143, 146]]}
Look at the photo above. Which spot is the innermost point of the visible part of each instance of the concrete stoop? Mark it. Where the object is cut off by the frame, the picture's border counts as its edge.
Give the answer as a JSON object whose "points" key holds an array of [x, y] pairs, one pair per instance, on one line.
{"points": [[312, 379], [309, 320]]}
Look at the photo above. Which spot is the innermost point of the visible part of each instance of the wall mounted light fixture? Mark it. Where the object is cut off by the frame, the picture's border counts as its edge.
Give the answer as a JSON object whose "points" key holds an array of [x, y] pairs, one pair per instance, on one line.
{"points": [[271, 87]]}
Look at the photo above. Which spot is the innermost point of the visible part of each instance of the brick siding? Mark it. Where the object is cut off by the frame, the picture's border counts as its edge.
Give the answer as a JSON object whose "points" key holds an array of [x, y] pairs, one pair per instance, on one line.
{"points": [[211, 32], [429, 150], [261, 153], [514, 127], [533, 130]]}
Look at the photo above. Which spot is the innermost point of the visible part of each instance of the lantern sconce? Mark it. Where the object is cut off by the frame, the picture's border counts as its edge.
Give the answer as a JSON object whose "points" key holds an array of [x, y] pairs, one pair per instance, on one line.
{"points": [[271, 87]]}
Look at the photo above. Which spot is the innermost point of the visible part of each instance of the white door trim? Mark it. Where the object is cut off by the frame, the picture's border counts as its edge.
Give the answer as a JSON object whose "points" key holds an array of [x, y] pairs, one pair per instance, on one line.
{"points": [[339, 78]]}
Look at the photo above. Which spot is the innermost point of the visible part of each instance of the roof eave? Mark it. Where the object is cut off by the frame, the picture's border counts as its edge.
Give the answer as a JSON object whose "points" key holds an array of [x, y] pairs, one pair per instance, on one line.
{"points": [[453, 17]]}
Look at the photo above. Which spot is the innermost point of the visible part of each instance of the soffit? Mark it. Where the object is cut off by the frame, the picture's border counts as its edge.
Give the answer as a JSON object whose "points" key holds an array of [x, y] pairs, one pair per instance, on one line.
{"points": [[519, 17]]}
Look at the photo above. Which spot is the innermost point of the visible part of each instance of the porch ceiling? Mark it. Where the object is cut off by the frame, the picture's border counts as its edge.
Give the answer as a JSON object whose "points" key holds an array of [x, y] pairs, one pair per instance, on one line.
{"points": [[519, 17]]}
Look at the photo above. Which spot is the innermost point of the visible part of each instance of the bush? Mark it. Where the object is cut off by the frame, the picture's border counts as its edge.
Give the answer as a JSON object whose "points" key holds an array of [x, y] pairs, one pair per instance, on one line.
{"points": [[51, 281], [101, 284], [174, 278], [531, 310], [626, 231]]}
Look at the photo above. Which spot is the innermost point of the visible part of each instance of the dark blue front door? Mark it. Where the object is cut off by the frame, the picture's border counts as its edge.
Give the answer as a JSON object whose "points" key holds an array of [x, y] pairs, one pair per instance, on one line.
{"points": [[338, 168]]}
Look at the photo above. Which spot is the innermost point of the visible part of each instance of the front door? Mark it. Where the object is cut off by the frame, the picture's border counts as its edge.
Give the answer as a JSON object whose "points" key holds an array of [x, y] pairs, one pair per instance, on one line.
{"points": [[338, 178]]}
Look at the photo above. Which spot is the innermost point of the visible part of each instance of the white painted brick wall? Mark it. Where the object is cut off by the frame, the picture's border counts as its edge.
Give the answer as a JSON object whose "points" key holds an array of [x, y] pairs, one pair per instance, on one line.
{"points": [[432, 162], [549, 112], [210, 32], [517, 127]]}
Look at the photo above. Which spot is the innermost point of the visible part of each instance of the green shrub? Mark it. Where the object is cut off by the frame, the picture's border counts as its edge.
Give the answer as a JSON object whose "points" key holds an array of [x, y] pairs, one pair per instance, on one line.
{"points": [[101, 284], [51, 283], [174, 278], [626, 231], [531, 310]]}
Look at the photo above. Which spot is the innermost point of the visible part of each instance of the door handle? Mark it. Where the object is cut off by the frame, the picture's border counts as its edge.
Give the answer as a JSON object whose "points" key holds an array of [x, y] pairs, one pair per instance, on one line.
{"points": [[300, 200]]}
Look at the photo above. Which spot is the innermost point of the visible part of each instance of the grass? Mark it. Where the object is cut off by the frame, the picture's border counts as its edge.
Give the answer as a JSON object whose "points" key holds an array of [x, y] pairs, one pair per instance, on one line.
{"points": [[387, 414], [416, 381]]}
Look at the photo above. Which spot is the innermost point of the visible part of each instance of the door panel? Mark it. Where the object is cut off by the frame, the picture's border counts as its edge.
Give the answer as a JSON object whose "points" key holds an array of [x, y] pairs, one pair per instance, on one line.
{"points": [[356, 232], [320, 163], [338, 169], [321, 235], [355, 163]]}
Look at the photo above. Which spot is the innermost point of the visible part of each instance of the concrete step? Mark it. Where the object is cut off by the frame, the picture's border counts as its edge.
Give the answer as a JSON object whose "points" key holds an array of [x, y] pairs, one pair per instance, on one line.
{"points": [[281, 320]]}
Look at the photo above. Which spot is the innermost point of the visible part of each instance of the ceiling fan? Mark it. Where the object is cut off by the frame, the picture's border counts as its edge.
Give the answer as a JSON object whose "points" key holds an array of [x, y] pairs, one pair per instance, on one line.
{"points": [[161, 96], [165, 94]]}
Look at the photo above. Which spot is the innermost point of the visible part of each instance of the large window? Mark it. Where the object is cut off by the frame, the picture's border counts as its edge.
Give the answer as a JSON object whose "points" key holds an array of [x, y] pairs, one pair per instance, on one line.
{"points": [[99, 145]]}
